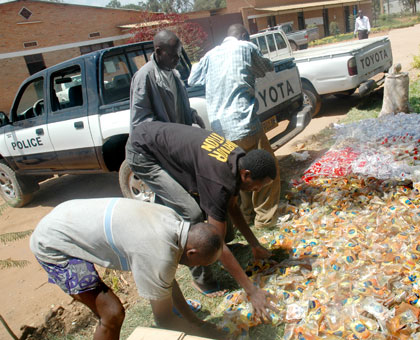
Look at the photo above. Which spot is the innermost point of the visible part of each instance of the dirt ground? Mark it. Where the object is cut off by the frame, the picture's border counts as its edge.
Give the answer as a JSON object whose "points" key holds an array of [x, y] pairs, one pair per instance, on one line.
{"points": [[27, 299]]}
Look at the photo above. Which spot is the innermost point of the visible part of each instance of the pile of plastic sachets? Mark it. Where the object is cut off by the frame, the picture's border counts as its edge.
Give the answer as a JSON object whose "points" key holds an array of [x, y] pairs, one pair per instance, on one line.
{"points": [[354, 245]]}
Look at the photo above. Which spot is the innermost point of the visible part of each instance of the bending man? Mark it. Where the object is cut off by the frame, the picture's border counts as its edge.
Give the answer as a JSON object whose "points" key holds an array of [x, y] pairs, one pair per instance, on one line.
{"points": [[148, 239], [194, 170]]}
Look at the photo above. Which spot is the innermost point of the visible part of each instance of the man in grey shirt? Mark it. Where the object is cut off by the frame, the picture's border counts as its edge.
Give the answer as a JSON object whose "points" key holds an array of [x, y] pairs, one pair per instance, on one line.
{"points": [[150, 240], [157, 90]]}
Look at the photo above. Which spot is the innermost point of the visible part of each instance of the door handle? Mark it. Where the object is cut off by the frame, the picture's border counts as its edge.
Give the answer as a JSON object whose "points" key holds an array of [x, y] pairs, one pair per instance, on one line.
{"points": [[39, 132], [79, 125]]}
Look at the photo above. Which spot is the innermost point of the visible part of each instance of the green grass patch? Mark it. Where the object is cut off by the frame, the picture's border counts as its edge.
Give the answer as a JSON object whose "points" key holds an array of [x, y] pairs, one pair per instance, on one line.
{"points": [[414, 96]]}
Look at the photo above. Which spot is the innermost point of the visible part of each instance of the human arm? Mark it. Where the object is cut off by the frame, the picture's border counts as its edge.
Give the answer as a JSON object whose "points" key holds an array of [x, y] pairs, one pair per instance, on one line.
{"points": [[368, 24], [260, 299], [198, 73], [260, 64], [238, 220], [356, 26], [140, 102], [189, 323]]}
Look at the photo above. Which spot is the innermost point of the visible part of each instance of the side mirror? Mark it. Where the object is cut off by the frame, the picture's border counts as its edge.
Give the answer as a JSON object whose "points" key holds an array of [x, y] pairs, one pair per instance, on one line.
{"points": [[4, 120]]}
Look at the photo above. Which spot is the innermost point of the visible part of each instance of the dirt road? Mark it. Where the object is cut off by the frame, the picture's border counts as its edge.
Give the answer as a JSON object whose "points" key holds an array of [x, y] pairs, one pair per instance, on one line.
{"points": [[26, 297]]}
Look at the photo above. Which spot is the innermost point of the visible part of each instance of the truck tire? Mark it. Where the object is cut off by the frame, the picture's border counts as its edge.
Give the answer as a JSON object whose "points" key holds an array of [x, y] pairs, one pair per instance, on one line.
{"points": [[133, 187], [13, 189], [293, 46], [311, 97]]}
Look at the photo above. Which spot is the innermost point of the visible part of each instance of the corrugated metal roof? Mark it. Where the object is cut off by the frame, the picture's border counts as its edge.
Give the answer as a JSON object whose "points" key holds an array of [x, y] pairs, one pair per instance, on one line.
{"points": [[312, 5]]}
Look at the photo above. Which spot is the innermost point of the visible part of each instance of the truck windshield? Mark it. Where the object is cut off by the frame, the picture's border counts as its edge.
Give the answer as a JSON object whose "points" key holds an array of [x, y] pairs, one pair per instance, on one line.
{"points": [[118, 69], [31, 102]]}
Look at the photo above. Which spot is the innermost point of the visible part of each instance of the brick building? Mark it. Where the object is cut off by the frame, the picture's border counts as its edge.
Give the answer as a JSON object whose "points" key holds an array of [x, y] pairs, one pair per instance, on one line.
{"points": [[35, 34], [38, 34], [259, 14]]}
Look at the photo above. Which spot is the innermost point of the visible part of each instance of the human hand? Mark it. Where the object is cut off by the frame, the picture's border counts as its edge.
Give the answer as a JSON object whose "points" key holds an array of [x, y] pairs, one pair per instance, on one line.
{"points": [[197, 119], [260, 252], [263, 302]]}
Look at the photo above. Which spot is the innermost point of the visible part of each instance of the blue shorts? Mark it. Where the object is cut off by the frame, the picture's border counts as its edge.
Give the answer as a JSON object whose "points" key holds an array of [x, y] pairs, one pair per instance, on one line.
{"points": [[74, 276]]}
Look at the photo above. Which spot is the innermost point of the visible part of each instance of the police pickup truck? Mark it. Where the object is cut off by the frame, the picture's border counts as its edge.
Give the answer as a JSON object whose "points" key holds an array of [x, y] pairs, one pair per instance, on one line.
{"points": [[74, 118]]}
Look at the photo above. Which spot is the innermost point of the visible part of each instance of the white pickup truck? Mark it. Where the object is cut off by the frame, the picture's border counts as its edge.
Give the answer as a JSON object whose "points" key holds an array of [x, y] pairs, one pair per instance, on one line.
{"points": [[85, 131], [337, 69], [298, 40]]}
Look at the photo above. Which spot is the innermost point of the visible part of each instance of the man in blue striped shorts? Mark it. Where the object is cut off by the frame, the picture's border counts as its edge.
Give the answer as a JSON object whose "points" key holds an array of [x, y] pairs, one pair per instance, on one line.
{"points": [[147, 239]]}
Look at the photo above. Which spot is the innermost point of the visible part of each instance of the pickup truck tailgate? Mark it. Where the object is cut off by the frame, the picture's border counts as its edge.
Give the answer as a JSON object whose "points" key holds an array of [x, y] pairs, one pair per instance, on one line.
{"points": [[374, 58], [277, 88]]}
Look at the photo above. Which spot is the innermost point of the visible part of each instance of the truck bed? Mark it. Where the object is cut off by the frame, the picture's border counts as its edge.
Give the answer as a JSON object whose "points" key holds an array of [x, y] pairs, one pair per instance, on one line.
{"points": [[340, 49]]}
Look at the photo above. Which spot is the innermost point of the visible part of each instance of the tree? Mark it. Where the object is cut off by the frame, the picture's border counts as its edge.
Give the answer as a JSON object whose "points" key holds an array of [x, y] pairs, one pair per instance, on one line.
{"points": [[114, 4], [132, 6], [167, 6], [200, 5], [191, 34], [409, 5]]}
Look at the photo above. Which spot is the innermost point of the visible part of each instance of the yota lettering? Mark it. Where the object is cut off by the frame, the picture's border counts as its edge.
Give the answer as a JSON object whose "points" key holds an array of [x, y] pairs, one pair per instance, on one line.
{"points": [[27, 143], [373, 58], [278, 93]]}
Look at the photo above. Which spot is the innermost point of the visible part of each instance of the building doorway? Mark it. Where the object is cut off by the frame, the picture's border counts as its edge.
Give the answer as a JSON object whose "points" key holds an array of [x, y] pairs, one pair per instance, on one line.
{"points": [[326, 22], [347, 18], [301, 21]]}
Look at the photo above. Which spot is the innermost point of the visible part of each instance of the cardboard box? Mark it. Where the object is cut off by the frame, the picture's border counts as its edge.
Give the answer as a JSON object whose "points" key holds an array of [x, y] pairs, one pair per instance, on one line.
{"points": [[145, 333]]}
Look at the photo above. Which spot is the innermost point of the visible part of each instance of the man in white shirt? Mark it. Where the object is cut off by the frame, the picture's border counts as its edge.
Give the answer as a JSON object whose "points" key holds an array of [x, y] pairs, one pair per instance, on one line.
{"points": [[362, 26]]}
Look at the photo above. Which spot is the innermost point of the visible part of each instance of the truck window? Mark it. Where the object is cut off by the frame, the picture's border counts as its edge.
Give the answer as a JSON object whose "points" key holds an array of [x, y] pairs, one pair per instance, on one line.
{"points": [[67, 88], [31, 102], [137, 59], [280, 41], [263, 45], [271, 43], [286, 28], [254, 41], [116, 79]]}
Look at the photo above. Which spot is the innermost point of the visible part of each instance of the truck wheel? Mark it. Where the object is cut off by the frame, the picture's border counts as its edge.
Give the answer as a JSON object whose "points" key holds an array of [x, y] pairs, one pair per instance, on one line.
{"points": [[311, 97], [12, 188], [132, 186], [293, 46]]}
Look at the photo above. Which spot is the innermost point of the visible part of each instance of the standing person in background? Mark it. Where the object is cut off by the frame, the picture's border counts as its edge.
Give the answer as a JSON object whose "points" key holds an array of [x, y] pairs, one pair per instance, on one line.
{"points": [[229, 72], [362, 26]]}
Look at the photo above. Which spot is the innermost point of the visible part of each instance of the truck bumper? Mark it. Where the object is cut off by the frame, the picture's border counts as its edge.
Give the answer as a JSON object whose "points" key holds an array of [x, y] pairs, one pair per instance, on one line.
{"points": [[297, 123], [368, 86]]}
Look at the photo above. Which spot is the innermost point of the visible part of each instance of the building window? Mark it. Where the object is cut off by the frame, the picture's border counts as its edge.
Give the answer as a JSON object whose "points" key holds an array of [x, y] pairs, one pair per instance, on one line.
{"points": [[95, 47], [94, 34], [30, 44], [35, 63], [26, 13], [271, 21]]}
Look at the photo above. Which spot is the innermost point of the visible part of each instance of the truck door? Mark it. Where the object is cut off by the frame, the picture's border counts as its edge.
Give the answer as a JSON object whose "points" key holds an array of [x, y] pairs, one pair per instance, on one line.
{"points": [[68, 124], [28, 140]]}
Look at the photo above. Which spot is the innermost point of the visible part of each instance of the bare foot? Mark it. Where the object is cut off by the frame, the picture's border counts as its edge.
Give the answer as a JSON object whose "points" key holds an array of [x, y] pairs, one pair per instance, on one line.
{"points": [[210, 290]]}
